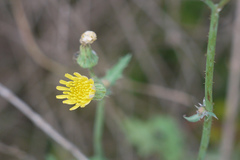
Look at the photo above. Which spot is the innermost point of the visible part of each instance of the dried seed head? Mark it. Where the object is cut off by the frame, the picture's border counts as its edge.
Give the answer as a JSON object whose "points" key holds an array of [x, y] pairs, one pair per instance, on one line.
{"points": [[88, 37]]}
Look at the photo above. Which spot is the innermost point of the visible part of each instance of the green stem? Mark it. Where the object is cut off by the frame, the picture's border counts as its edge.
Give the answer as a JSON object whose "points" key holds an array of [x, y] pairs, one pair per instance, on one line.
{"points": [[93, 75], [209, 79], [222, 3], [98, 129]]}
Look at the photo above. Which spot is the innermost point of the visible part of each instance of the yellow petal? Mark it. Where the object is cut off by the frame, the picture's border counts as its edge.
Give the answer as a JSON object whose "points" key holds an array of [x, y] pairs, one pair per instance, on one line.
{"points": [[82, 106], [62, 96], [70, 76], [63, 82], [74, 107], [69, 101], [84, 78], [61, 88], [91, 81], [77, 74], [66, 92], [84, 103]]}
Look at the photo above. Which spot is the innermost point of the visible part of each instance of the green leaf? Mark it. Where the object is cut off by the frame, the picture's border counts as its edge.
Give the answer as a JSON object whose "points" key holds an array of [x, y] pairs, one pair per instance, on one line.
{"points": [[115, 72], [193, 118], [212, 115]]}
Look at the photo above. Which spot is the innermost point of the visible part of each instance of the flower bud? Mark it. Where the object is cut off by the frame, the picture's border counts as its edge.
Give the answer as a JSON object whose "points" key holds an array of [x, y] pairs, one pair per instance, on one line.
{"points": [[87, 57]]}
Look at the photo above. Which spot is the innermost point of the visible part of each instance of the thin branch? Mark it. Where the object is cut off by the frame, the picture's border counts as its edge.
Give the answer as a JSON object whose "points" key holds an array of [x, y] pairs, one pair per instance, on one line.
{"points": [[222, 3], [209, 3], [40, 122]]}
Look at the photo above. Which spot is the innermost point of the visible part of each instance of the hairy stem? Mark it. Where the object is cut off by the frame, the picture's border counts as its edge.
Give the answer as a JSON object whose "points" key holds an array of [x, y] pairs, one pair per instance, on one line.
{"points": [[209, 79], [98, 129], [215, 9], [222, 3]]}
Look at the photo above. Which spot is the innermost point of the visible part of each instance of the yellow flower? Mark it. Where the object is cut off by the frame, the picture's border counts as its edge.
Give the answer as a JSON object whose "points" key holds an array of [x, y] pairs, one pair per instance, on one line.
{"points": [[79, 91]]}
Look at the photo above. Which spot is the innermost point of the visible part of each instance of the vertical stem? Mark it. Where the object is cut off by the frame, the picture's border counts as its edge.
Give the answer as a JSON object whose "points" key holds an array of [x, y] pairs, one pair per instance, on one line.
{"points": [[209, 80], [98, 129], [93, 75]]}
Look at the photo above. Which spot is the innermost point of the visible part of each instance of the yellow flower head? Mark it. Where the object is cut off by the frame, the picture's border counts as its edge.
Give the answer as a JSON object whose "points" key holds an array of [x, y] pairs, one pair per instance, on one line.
{"points": [[79, 91]]}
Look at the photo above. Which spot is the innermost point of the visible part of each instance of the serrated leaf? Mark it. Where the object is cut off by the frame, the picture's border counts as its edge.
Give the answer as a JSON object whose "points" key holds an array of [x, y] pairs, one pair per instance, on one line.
{"points": [[115, 72]]}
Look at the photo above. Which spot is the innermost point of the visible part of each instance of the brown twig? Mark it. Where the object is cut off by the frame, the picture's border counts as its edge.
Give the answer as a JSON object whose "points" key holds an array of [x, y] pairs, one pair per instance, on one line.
{"points": [[40, 122]]}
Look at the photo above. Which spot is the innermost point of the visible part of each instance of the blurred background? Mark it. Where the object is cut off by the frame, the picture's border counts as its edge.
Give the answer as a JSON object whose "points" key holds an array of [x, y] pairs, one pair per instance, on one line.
{"points": [[144, 114]]}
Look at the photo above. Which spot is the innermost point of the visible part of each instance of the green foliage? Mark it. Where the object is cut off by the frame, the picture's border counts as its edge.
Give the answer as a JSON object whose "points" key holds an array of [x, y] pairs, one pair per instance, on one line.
{"points": [[115, 72], [159, 136]]}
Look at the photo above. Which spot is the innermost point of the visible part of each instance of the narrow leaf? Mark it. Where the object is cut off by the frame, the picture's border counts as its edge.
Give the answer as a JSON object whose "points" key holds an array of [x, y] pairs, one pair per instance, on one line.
{"points": [[193, 118], [212, 115], [115, 72]]}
